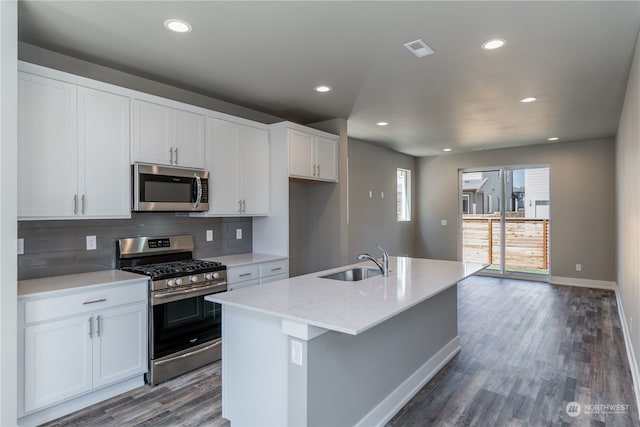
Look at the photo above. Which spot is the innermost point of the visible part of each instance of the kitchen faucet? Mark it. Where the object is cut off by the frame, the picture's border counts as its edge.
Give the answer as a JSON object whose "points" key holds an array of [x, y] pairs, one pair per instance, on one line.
{"points": [[383, 266]]}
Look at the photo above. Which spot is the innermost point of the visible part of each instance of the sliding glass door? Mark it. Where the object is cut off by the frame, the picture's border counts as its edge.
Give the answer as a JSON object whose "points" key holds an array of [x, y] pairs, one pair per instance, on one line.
{"points": [[505, 219]]}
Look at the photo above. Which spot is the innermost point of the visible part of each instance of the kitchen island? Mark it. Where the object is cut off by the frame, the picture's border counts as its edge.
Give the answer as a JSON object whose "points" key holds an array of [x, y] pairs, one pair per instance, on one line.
{"points": [[315, 351]]}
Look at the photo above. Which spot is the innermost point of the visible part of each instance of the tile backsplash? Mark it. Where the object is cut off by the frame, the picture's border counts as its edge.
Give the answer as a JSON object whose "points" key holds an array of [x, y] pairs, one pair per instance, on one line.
{"points": [[54, 248]]}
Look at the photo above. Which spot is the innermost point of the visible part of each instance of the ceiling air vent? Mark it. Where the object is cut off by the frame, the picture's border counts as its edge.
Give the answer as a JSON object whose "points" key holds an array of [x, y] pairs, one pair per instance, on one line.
{"points": [[419, 48]]}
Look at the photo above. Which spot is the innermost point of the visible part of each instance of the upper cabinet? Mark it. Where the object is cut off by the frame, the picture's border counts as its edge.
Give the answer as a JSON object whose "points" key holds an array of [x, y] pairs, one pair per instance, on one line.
{"points": [[73, 151], [237, 157], [313, 155], [167, 136]]}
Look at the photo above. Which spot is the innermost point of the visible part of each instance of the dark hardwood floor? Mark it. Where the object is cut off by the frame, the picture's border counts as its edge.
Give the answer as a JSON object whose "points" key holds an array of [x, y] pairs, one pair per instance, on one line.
{"points": [[528, 350]]}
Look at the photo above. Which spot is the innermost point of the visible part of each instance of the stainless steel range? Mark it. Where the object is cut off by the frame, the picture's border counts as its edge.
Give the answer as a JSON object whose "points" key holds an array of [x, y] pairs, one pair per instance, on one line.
{"points": [[184, 329]]}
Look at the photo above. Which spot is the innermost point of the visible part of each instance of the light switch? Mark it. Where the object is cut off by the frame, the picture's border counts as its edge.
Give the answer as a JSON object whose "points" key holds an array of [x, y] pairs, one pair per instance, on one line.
{"points": [[91, 243], [370, 194], [209, 235], [382, 194], [238, 233]]}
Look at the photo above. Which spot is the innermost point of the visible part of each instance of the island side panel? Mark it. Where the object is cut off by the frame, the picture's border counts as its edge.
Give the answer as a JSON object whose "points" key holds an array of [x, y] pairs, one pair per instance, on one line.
{"points": [[348, 376], [254, 368]]}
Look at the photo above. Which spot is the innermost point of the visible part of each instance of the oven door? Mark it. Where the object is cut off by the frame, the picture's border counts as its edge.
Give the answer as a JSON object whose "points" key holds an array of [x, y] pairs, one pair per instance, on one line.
{"points": [[181, 324]]}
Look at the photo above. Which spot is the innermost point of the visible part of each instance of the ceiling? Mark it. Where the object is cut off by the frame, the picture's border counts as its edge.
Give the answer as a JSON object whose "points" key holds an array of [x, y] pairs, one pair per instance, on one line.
{"points": [[573, 56]]}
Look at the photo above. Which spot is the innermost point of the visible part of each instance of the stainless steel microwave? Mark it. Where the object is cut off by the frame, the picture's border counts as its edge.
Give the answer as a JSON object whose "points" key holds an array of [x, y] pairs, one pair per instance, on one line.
{"points": [[169, 189]]}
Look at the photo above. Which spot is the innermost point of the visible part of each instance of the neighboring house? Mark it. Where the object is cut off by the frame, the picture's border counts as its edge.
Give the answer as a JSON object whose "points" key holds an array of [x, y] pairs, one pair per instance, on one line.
{"points": [[481, 192], [536, 198]]}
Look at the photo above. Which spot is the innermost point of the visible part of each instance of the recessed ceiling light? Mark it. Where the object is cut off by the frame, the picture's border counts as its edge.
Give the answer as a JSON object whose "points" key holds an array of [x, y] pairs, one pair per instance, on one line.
{"points": [[382, 123], [322, 88], [446, 149], [553, 138], [177, 25], [528, 99], [493, 44], [419, 48]]}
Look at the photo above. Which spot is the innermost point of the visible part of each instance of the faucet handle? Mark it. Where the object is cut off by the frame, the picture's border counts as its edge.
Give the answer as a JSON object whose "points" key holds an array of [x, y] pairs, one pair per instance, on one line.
{"points": [[385, 254]]}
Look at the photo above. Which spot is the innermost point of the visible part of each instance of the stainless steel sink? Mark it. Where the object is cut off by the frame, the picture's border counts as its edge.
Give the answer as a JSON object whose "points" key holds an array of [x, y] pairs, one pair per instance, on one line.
{"points": [[354, 274]]}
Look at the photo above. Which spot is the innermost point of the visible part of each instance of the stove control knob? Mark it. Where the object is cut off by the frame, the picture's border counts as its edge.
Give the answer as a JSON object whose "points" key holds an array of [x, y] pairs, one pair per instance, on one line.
{"points": [[170, 282], [193, 279], [208, 276], [178, 281]]}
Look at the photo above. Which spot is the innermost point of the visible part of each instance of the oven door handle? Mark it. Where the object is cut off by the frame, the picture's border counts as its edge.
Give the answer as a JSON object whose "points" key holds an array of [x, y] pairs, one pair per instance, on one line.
{"points": [[205, 290], [191, 353]]}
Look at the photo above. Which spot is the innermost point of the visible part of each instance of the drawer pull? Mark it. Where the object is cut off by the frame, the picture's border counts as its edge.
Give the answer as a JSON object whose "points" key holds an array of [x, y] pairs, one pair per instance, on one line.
{"points": [[98, 327], [276, 269], [94, 301], [245, 274]]}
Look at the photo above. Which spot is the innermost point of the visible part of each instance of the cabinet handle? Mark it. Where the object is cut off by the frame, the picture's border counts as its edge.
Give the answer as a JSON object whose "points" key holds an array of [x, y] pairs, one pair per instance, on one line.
{"points": [[176, 151], [240, 206], [245, 274], [82, 204], [94, 301], [171, 155], [276, 269], [314, 170], [318, 171], [98, 327], [90, 328], [75, 204], [244, 206]]}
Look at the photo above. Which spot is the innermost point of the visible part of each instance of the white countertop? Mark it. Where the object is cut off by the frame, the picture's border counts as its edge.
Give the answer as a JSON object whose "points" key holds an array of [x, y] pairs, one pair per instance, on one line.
{"points": [[351, 307], [48, 285], [245, 259]]}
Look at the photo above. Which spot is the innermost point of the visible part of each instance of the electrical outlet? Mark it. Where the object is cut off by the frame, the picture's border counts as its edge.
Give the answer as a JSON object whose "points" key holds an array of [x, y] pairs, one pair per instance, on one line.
{"points": [[443, 222], [296, 352], [382, 194], [370, 194], [91, 243], [238, 233], [20, 246], [209, 235], [578, 267]]}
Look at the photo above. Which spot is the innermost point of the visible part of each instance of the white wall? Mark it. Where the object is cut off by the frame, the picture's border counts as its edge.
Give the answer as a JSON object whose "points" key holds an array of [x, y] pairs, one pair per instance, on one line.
{"points": [[628, 210], [8, 210]]}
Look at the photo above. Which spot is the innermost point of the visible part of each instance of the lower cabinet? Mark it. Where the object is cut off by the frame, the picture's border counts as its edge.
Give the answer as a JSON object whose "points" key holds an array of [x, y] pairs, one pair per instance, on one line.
{"points": [[241, 276], [80, 342]]}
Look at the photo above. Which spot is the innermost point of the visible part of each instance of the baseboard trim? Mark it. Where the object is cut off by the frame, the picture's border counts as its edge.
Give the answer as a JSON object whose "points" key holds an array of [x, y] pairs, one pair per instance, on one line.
{"points": [[390, 405], [633, 365], [583, 283]]}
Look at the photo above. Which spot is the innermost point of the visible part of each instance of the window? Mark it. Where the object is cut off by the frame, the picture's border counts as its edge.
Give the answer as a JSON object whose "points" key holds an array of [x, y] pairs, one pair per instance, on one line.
{"points": [[404, 195]]}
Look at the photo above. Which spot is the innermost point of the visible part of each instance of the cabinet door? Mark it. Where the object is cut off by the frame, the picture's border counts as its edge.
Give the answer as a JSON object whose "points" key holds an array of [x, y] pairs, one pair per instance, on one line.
{"points": [[119, 345], [222, 154], [188, 139], [301, 154], [103, 151], [57, 361], [327, 159], [254, 170], [151, 133], [47, 148]]}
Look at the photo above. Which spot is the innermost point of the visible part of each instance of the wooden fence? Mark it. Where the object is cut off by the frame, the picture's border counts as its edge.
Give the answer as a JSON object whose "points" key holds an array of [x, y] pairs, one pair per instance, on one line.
{"points": [[526, 241]]}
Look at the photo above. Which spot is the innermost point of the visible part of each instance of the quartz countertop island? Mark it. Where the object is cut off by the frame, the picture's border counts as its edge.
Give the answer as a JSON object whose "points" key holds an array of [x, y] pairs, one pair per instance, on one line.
{"points": [[315, 351]]}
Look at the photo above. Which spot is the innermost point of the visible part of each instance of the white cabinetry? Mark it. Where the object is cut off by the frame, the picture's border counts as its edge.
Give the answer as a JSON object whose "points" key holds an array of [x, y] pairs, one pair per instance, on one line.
{"points": [[237, 157], [81, 341], [243, 275], [73, 151], [168, 136], [312, 155]]}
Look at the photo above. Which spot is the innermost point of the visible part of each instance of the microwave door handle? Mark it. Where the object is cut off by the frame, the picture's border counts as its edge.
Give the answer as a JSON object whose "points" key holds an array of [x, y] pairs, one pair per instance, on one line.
{"points": [[199, 190]]}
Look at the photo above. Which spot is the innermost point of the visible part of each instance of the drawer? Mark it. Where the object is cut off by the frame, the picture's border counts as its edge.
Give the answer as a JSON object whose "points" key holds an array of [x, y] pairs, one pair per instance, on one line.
{"points": [[245, 284], [274, 268], [242, 273], [82, 302]]}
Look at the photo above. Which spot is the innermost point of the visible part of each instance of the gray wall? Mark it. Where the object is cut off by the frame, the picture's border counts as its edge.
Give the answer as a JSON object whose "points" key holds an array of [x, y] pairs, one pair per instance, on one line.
{"points": [[58, 61], [373, 221], [54, 248], [628, 203], [582, 187]]}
